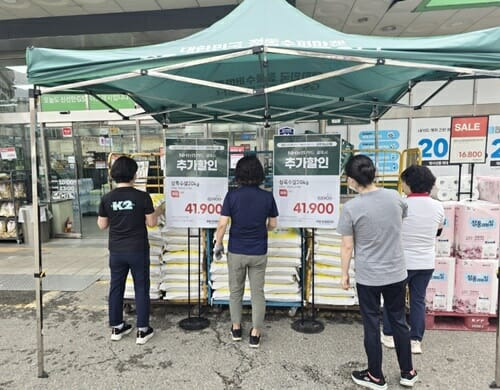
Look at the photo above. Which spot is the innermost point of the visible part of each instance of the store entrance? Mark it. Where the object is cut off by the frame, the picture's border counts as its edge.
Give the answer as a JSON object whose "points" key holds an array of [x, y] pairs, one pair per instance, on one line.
{"points": [[64, 186]]}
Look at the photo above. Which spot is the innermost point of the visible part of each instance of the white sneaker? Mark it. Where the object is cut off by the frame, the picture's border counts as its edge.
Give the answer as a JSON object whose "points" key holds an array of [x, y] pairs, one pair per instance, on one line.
{"points": [[388, 341], [416, 347]]}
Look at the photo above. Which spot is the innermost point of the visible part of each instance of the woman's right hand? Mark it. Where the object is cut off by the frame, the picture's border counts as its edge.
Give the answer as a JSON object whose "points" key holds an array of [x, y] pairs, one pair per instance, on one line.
{"points": [[345, 282]]}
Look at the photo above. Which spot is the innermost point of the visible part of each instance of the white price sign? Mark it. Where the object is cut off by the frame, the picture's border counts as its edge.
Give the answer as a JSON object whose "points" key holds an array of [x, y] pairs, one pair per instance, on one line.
{"points": [[196, 181], [306, 181], [468, 140], [432, 137]]}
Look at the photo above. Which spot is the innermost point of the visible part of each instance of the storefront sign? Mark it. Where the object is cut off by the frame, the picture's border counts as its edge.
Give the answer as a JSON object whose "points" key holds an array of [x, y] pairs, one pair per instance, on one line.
{"points": [[196, 181], [67, 132], [106, 141], [79, 102], [432, 136], [235, 154], [8, 153], [286, 131], [307, 180], [468, 140], [382, 146]]}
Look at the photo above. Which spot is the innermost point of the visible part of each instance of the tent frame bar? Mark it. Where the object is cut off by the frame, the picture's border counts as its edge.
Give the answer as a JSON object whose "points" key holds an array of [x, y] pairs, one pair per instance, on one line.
{"points": [[383, 61], [143, 72], [318, 77]]}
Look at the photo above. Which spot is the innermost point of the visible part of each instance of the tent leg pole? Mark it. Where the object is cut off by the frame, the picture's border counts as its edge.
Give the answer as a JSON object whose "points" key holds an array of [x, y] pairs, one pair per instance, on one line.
{"points": [[36, 233], [322, 126]]}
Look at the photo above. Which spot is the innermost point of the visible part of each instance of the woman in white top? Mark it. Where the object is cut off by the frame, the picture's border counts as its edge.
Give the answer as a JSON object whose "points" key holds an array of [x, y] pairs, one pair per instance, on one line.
{"points": [[419, 230]]}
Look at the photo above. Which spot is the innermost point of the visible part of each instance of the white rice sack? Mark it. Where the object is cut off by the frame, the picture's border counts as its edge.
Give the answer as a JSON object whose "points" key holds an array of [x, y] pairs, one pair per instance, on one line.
{"points": [[284, 252]]}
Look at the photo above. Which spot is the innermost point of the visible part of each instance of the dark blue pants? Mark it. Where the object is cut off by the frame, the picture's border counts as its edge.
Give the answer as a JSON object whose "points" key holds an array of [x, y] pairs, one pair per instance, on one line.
{"points": [[369, 305], [138, 264], [417, 284]]}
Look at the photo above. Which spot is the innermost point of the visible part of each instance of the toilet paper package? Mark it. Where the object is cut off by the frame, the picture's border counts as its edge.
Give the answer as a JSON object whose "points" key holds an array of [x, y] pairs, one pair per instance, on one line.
{"points": [[439, 294], [445, 243], [476, 230], [476, 286], [489, 188]]}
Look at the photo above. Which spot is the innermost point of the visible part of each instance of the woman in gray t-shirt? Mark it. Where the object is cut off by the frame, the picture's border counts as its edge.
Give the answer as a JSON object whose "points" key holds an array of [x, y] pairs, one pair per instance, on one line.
{"points": [[370, 224]]}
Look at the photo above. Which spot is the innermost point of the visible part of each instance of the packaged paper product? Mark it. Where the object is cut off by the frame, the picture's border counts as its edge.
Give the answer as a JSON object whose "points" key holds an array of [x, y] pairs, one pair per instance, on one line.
{"points": [[476, 286], [439, 295], [446, 188], [476, 230], [445, 243], [489, 188]]}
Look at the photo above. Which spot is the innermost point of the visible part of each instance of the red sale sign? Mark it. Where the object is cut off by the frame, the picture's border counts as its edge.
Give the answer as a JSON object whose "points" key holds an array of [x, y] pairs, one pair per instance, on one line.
{"points": [[468, 138], [67, 132]]}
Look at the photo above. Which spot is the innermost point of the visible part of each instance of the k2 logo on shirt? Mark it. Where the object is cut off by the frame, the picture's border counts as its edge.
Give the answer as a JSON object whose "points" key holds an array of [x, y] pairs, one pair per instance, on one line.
{"points": [[119, 205]]}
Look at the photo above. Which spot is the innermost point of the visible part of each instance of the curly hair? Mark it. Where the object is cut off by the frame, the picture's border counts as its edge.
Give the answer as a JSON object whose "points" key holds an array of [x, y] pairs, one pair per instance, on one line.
{"points": [[361, 169], [419, 178], [249, 171]]}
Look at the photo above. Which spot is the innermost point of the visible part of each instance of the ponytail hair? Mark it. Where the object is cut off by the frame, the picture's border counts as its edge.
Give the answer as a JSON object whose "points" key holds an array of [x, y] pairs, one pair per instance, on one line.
{"points": [[361, 169]]}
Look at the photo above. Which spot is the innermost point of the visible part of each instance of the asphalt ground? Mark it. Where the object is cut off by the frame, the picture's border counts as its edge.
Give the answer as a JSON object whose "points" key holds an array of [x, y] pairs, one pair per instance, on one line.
{"points": [[80, 355]]}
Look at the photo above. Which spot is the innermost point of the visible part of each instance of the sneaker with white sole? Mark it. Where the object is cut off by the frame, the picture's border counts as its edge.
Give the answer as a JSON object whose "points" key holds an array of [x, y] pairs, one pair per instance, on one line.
{"points": [[143, 337], [362, 378], [118, 333], [416, 347], [388, 341], [408, 379], [254, 341], [236, 334]]}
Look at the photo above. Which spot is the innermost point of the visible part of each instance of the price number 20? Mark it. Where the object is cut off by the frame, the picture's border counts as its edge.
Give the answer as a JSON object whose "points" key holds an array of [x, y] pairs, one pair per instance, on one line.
{"points": [[434, 148]]}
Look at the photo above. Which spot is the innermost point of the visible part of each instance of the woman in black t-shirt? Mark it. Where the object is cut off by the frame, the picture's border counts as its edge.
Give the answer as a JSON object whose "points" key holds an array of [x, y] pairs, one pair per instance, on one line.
{"points": [[126, 211]]}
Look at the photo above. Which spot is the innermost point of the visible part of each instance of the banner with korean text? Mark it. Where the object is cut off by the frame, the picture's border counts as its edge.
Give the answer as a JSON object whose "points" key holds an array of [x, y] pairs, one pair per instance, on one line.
{"points": [[307, 180], [196, 181]]}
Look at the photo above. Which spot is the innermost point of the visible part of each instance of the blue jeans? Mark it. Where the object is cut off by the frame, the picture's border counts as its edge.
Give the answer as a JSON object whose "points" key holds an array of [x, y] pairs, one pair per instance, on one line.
{"points": [[369, 305], [417, 284], [138, 264]]}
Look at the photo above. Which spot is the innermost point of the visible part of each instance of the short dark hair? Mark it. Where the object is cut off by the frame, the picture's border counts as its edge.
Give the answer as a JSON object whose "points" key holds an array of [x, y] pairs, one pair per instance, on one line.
{"points": [[361, 169], [123, 169], [249, 171], [419, 178]]}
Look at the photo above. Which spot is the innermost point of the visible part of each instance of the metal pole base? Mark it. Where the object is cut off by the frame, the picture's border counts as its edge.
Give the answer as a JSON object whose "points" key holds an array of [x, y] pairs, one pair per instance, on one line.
{"points": [[194, 323], [494, 385], [308, 325], [43, 375]]}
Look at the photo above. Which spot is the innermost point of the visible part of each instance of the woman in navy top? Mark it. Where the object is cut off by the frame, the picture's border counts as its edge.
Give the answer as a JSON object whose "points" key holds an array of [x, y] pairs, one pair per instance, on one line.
{"points": [[252, 212]]}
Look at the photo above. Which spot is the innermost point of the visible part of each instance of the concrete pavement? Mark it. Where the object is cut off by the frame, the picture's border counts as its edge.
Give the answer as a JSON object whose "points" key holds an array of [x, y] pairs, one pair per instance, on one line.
{"points": [[79, 354]]}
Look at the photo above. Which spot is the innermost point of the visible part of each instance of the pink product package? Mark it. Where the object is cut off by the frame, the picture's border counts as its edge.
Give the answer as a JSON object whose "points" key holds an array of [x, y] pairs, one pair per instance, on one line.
{"points": [[476, 286], [445, 243], [489, 188], [476, 230], [439, 294]]}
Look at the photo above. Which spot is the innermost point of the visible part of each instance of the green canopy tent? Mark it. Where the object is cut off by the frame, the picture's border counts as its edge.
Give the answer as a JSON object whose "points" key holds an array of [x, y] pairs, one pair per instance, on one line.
{"points": [[266, 61], [263, 62]]}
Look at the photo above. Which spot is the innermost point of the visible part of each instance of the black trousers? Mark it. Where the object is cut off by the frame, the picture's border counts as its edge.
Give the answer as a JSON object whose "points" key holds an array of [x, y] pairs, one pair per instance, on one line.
{"points": [[369, 304]]}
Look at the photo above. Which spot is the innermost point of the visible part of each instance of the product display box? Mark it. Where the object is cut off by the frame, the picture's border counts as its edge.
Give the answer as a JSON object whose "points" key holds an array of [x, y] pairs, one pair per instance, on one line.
{"points": [[489, 188], [445, 243], [476, 286], [439, 295], [476, 230]]}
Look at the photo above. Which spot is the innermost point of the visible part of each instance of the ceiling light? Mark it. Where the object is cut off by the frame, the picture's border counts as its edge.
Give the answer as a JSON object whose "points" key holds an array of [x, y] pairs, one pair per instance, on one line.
{"points": [[388, 28], [364, 19]]}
